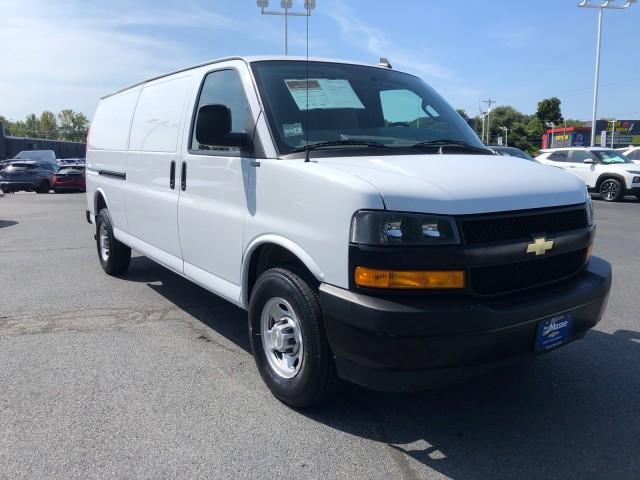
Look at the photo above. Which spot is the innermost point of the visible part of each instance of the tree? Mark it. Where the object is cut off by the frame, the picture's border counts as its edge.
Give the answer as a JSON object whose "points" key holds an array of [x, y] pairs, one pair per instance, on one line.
{"points": [[48, 125], [549, 111], [32, 125], [65, 117], [80, 124], [463, 114]]}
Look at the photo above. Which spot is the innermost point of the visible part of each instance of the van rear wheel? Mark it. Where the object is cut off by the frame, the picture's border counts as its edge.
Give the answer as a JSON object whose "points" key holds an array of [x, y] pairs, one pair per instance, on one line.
{"points": [[288, 339], [114, 256]]}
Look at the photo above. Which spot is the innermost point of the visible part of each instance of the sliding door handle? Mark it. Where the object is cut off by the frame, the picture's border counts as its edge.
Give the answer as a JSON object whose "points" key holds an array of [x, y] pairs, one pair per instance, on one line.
{"points": [[172, 175], [183, 177]]}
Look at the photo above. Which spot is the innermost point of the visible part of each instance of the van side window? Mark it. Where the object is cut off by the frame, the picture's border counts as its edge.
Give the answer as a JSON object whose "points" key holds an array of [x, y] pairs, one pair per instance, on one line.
{"points": [[224, 87]]}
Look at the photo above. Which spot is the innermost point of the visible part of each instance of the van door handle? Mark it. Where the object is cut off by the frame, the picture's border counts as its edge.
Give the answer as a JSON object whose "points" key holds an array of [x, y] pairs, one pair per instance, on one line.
{"points": [[183, 177], [172, 175]]}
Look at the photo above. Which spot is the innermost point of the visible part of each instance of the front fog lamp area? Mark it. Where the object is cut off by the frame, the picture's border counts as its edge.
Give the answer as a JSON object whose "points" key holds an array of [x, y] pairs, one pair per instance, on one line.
{"points": [[403, 229]]}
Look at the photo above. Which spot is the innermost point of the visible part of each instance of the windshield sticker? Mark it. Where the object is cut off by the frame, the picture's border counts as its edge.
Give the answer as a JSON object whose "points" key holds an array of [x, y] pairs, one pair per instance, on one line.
{"points": [[292, 129], [323, 93]]}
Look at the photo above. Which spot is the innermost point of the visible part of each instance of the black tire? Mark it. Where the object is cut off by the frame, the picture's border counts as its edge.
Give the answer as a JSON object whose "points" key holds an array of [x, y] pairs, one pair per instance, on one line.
{"points": [[117, 260], [44, 187], [316, 380], [638, 197], [611, 190]]}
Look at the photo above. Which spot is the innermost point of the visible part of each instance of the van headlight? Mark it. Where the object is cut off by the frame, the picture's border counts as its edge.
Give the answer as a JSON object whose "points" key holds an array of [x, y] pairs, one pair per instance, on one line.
{"points": [[403, 229], [589, 207]]}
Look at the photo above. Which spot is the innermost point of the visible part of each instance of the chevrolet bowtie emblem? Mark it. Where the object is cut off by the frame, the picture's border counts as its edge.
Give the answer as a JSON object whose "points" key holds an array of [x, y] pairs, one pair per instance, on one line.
{"points": [[540, 246]]}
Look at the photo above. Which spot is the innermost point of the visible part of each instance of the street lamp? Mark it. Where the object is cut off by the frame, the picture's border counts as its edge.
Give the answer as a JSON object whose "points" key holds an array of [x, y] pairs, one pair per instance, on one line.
{"points": [[552, 126], [506, 135], [605, 4], [287, 5]]}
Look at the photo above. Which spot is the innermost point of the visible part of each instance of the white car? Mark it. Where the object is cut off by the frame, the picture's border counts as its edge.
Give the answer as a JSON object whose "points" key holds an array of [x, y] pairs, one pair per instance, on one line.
{"points": [[355, 215], [632, 153], [603, 170]]}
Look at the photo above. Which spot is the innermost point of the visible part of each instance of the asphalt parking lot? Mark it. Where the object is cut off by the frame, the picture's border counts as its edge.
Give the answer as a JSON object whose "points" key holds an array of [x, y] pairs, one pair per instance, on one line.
{"points": [[149, 376]]}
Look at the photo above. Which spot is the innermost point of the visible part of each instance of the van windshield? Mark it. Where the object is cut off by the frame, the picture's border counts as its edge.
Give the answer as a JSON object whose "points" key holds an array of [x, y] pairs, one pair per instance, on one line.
{"points": [[349, 104]]}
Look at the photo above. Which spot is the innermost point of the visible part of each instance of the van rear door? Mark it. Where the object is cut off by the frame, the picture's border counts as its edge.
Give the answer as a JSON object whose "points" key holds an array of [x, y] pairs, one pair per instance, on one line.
{"points": [[151, 195]]}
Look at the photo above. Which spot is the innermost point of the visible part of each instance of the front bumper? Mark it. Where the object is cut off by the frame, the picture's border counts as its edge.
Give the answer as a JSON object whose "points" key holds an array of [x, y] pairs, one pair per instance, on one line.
{"points": [[408, 343]]}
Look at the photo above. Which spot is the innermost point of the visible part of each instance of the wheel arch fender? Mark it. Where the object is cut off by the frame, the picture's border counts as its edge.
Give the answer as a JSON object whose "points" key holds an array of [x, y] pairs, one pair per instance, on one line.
{"points": [[292, 247], [97, 196], [605, 176]]}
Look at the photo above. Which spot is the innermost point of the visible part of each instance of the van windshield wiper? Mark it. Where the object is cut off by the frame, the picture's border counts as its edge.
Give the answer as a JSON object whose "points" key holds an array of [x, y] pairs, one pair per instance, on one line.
{"points": [[445, 142], [338, 143]]}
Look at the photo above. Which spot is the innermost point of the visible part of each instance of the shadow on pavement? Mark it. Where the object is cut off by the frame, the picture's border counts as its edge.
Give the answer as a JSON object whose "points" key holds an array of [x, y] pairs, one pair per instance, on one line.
{"points": [[211, 310], [7, 223], [573, 413]]}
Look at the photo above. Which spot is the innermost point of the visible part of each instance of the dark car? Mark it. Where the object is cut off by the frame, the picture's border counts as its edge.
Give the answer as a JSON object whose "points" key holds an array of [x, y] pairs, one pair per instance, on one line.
{"points": [[511, 152], [67, 162], [69, 178], [27, 175]]}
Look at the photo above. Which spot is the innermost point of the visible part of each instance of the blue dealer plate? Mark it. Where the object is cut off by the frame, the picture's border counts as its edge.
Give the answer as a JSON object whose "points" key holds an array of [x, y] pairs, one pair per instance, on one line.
{"points": [[553, 332]]}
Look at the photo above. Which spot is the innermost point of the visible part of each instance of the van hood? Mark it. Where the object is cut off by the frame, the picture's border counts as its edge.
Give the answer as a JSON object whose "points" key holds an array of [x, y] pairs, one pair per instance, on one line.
{"points": [[462, 184]]}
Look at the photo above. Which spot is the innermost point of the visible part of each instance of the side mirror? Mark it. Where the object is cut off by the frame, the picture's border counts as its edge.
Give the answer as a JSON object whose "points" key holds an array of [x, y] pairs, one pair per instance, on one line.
{"points": [[588, 160], [213, 127]]}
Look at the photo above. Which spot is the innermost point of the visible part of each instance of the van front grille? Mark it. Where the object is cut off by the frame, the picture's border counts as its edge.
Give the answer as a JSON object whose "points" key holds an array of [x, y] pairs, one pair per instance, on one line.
{"points": [[497, 279], [522, 226]]}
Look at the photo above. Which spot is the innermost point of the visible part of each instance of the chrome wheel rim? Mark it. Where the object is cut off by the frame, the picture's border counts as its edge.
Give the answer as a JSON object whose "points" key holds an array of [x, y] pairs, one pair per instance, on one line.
{"points": [[281, 337], [609, 190], [104, 243]]}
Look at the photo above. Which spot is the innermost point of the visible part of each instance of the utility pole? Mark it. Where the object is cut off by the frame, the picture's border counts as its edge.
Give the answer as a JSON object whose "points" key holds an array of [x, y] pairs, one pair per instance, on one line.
{"points": [[489, 103]]}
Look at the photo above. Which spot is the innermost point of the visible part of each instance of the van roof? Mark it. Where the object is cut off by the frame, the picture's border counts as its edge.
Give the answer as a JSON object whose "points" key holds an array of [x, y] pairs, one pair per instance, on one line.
{"points": [[246, 59]]}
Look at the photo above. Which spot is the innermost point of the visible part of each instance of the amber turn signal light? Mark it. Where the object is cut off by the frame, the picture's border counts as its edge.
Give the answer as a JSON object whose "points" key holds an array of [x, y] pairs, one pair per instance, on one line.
{"points": [[407, 279]]}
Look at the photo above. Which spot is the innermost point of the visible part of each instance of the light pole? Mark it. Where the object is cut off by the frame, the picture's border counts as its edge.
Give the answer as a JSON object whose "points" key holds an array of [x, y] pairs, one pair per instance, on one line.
{"points": [[287, 5], [552, 126], [506, 135], [601, 7]]}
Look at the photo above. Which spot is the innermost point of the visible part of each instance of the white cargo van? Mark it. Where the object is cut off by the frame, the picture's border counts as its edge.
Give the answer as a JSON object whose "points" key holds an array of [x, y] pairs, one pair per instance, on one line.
{"points": [[354, 214]]}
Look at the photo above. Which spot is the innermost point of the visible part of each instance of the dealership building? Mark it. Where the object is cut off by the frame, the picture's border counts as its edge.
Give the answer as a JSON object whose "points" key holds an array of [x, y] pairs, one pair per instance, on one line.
{"points": [[625, 133]]}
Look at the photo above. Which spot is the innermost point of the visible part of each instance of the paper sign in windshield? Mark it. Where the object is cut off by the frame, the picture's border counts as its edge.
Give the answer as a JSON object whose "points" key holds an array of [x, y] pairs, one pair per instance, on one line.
{"points": [[323, 93]]}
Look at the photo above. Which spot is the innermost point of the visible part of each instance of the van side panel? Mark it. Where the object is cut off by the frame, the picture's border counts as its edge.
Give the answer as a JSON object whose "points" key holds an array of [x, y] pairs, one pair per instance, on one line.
{"points": [[311, 206], [106, 153], [152, 205]]}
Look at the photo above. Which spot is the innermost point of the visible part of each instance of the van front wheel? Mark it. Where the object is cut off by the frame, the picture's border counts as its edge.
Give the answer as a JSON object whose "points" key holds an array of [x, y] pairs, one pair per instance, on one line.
{"points": [[114, 255], [288, 339]]}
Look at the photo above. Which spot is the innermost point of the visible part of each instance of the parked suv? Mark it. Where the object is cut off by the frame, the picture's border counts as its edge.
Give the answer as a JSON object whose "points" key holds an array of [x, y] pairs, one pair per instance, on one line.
{"points": [[604, 171], [27, 175], [355, 215]]}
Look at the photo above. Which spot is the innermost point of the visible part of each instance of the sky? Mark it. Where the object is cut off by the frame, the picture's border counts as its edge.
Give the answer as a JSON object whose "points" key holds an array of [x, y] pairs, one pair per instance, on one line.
{"points": [[68, 53]]}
